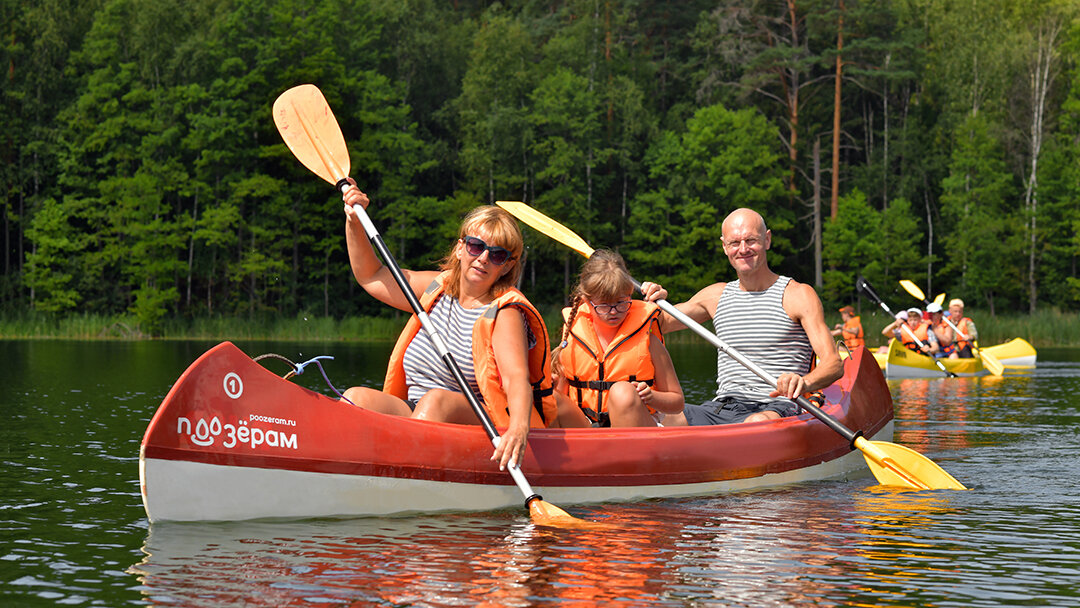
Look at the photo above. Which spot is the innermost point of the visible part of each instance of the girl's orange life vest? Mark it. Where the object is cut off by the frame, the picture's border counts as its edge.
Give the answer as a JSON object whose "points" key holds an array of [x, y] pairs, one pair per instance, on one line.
{"points": [[920, 333], [590, 371], [487, 372], [853, 328]]}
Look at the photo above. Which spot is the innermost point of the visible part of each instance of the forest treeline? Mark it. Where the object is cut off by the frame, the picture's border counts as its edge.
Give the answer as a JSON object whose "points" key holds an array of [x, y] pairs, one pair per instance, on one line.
{"points": [[934, 140]]}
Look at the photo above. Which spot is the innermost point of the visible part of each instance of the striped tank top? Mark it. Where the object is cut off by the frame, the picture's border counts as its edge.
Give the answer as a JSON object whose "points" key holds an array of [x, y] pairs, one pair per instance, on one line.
{"points": [[755, 324], [424, 369]]}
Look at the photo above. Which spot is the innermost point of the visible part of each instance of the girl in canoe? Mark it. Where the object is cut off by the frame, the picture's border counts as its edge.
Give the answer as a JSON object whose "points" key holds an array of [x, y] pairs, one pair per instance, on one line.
{"points": [[471, 300], [612, 368]]}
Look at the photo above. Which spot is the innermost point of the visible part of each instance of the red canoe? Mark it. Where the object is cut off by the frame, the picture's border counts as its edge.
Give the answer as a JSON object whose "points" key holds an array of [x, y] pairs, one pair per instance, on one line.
{"points": [[234, 441]]}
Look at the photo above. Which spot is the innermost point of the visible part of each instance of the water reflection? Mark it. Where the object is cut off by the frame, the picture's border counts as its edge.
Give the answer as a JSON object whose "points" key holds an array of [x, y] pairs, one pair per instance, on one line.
{"points": [[444, 560], [73, 524]]}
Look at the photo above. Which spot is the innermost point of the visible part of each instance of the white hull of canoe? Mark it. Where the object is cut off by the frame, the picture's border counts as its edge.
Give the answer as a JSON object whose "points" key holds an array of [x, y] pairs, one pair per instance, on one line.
{"points": [[195, 490]]}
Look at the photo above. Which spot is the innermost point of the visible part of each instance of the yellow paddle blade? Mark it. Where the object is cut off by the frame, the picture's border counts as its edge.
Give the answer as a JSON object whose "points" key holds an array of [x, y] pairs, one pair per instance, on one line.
{"points": [[991, 363], [913, 289], [896, 465], [939, 299], [542, 223], [546, 514], [312, 133]]}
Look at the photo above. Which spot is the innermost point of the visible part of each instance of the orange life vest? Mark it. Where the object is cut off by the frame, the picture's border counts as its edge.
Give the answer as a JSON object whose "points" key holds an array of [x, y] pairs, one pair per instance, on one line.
{"points": [[920, 333], [945, 329], [487, 372], [853, 328], [591, 372], [962, 325]]}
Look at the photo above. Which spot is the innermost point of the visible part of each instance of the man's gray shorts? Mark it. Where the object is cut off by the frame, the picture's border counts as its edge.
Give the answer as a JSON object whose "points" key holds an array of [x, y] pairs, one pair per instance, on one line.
{"points": [[729, 410]]}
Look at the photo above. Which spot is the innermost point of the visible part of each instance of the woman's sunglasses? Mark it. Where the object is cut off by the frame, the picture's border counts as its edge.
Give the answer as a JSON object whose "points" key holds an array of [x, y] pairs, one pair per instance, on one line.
{"points": [[476, 248]]}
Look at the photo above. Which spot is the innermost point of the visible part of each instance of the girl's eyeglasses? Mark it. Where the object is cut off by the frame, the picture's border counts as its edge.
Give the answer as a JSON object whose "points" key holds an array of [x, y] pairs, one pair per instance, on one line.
{"points": [[476, 248], [607, 309]]}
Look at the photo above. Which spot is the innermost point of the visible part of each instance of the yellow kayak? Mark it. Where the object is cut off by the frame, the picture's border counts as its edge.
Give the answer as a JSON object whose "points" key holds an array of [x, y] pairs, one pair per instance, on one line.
{"points": [[900, 362]]}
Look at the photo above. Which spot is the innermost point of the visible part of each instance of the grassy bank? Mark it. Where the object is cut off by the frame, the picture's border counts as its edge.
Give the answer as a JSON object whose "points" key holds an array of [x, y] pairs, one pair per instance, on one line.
{"points": [[1045, 328], [104, 327]]}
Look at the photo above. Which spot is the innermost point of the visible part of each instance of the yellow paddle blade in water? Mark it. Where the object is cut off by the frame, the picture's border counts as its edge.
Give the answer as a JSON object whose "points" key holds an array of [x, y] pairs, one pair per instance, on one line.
{"points": [[548, 226], [544, 513], [896, 465], [991, 363]]}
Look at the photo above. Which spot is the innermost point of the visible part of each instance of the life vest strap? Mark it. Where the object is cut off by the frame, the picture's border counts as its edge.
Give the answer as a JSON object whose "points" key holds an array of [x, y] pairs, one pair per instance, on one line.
{"points": [[601, 385]]}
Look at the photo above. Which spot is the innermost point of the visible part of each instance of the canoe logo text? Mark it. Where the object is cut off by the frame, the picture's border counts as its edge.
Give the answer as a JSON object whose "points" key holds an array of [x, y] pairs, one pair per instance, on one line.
{"points": [[204, 432]]}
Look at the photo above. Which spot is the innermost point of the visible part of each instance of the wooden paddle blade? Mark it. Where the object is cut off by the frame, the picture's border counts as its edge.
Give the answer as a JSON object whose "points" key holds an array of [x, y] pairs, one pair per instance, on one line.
{"points": [[896, 465], [542, 223], [546, 514], [913, 289], [307, 125]]}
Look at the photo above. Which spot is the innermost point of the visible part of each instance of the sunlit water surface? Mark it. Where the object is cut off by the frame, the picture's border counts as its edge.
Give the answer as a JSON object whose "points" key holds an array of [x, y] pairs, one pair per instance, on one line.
{"points": [[73, 530]]}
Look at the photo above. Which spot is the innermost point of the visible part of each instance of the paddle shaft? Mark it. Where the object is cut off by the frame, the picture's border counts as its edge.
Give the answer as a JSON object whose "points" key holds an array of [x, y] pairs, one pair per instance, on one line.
{"points": [[865, 288], [715, 340], [437, 341]]}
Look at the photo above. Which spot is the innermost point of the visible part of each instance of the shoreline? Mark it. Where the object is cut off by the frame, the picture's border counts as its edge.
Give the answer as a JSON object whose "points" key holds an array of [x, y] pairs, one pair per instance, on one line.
{"points": [[1045, 329]]}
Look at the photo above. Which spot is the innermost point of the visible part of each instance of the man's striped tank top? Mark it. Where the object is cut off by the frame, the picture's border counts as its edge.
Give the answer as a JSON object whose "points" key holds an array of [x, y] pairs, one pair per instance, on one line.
{"points": [[756, 325]]}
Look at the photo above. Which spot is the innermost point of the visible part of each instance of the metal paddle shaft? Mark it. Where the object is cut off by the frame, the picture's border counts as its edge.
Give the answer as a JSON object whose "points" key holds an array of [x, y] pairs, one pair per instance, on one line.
{"points": [[864, 288], [310, 130], [437, 341]]}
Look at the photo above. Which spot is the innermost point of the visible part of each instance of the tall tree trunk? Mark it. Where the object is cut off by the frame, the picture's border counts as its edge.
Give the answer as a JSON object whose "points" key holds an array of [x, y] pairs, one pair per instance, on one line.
{"points": [[885, 138], [818, 271], [929, 238], [792, 95], [834, 207], [1041, 76]]}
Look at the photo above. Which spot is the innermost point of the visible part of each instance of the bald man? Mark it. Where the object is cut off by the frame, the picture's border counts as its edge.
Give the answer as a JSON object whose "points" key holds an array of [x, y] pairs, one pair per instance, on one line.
{"points": [[774, 321]]}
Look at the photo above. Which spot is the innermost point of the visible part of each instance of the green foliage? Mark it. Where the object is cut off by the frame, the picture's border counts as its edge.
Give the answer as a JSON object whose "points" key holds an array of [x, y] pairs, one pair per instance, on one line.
{"points": [[725, 159], [852, 248], [141, 175], [978, 204]]}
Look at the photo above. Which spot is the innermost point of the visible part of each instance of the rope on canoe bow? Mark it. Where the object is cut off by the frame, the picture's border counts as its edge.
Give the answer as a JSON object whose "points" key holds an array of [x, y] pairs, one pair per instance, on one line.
{"points": [[298, 368]]}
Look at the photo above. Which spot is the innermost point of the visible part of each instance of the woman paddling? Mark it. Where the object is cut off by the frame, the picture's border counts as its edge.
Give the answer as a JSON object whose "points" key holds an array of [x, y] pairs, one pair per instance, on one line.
{"points": [[470, 301], [612, 368]]}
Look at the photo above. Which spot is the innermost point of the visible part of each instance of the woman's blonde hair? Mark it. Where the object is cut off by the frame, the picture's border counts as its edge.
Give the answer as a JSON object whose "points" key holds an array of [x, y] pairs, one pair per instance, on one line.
{"points": [[502, 231], [603, 278]]}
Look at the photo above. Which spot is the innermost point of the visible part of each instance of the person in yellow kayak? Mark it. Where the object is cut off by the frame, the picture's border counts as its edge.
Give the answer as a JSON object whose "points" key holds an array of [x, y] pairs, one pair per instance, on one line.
{"points": [[497, 337], [611, 367], [851, 329], [913, 330], [943, 335], [968, 333], [773, 320]]}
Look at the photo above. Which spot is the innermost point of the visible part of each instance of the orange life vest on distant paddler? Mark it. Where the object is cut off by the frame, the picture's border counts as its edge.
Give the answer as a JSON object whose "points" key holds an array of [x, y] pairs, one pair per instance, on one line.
{"points": [[920, 333], [962, 325], [590, 371], [853, 333], [487, 372]]}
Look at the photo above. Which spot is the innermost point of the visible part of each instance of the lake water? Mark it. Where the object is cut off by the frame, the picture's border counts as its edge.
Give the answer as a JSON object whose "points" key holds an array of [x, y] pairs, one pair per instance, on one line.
{"points": [[73, 530]]}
